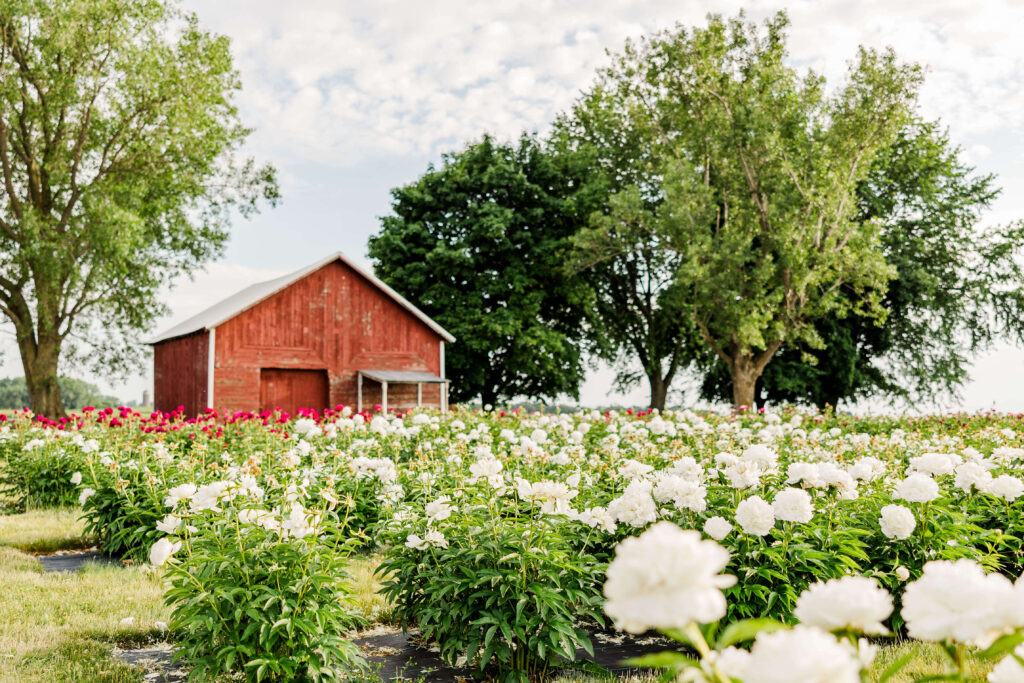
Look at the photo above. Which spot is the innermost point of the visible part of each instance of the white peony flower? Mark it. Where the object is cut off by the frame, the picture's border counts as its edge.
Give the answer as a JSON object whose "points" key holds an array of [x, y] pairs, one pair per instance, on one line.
{"points": [[162, 551], [300, 523], [685, 494], [763, 457], [169, 524], [666, 578], [972, 475], [597, 517], [793, 505], [743, 474], [415, 542], [631, 469], [717, 527], [439, 509], [435, 538], [85, 495], [305, 427], [179, 493], [917, 488], [207, 496], [755, 516], [1004, 486], [855, 603], [488, 468], [958, 601], [76, 478], [687, 468], [1009, 670], [635, 506], [935, 464], [801, 655], [867, 469], [902, 573], [897, 522]]}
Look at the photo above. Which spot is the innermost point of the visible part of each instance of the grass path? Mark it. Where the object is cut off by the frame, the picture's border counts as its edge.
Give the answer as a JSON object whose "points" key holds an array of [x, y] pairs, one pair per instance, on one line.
{"points": [[61, 627]]}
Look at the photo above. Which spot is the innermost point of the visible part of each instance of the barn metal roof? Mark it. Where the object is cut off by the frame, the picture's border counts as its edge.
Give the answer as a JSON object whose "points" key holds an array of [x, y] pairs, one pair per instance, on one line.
{"points": [[403, 376], [250, 296]]}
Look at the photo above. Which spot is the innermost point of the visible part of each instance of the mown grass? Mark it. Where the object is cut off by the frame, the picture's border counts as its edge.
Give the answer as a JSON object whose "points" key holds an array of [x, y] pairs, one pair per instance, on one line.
{"points": [[44, 531], [62, 627], [928, 660], [369, 604]]}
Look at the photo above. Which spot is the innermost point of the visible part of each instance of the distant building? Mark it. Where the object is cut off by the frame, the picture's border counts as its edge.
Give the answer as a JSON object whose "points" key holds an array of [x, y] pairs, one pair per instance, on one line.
{"points": [[329, 334]]}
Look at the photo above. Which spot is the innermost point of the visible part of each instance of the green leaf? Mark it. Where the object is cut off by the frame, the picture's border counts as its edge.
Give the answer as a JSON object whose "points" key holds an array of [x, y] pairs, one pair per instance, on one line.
{"points": [[748, 629]]}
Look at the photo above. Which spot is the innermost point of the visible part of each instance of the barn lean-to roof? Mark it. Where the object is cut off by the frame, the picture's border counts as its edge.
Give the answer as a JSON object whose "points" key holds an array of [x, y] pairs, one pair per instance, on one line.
{"points": [[227, 309]]}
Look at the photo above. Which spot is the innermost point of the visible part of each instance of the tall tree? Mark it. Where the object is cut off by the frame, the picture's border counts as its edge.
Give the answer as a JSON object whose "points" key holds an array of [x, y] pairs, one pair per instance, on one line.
{"points": [[755, 184], [118, 153], [626, 262], [639, 307], [480, 244], [959, 286]]}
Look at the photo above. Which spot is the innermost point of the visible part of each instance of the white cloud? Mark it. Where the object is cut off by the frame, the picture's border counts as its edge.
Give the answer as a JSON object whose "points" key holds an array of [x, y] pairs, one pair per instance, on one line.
{"points": [[340, 82]]}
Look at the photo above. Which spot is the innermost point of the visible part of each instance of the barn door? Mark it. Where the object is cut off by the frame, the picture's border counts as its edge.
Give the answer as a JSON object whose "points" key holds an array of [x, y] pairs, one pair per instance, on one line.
{"points": [[290, 390]]}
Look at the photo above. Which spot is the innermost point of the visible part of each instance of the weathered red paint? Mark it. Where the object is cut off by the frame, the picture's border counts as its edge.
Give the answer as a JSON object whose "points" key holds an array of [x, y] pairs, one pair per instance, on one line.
{"points": [[290, 390], [179, 372], [334, 320]]}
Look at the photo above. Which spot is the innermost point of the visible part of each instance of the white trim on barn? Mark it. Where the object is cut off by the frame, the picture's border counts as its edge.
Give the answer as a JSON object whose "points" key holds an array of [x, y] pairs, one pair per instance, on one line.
{"points": [[444, 389], [250, 296], [211, 363]]}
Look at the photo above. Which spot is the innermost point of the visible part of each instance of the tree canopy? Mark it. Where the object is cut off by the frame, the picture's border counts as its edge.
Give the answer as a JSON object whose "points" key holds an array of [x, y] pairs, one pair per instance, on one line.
{"points": [[480, 245], [958, 286], [749, 177], [119, 144]]}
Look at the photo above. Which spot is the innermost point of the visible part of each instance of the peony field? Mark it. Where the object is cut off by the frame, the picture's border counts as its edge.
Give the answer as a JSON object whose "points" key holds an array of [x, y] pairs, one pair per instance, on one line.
{"points": [[762, 547]]}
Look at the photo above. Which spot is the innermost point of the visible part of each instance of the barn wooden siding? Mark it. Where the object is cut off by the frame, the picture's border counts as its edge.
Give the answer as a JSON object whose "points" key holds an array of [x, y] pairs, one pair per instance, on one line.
{"points": [[180, 372], [335, 320]]}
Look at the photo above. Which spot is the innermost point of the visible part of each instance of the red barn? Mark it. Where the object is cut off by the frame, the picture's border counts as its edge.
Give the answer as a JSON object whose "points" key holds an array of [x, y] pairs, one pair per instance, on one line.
{"points": [[329, 334]]}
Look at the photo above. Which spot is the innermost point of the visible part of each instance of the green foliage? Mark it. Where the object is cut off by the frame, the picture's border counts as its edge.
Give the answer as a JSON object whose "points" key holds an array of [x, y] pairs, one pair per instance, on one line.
{"points": [[957, 286], [37, 473], [119, 142], [749, 178], [480, 246], [254, 601], [508, 593], [75, 393]]}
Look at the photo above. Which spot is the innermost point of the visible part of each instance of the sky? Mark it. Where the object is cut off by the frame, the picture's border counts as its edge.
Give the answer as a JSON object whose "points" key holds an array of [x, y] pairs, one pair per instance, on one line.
{"points": [[351, 99]]}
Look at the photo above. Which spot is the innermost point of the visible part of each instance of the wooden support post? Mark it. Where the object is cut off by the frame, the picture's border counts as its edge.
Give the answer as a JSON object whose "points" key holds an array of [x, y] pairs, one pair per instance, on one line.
{"points": [[384, 397], [444, 397], [419, 394], [359, 392]]}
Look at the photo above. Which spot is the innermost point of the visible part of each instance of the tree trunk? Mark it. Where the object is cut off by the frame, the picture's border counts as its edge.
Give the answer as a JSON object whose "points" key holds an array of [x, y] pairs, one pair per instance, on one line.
{"points": [[39, 360], [659, 391], [746, 369], [488, 397], [743, 383]]}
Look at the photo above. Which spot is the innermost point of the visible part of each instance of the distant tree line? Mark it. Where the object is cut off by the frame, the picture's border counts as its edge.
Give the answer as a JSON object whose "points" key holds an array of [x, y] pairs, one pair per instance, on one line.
{"points": [[77, 394], [706, 210]]}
